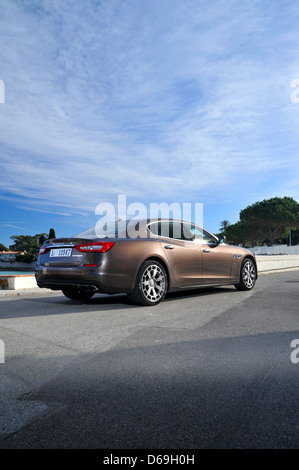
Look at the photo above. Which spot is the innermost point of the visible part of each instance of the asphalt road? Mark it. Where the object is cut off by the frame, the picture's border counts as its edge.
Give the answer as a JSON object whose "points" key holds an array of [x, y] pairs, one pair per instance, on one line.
{"points": [[206, 369]]}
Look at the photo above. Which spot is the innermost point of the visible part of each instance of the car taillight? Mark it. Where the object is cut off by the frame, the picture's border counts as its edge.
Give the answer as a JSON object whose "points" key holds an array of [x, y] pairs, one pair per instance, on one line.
{"points": [[42, 250], [95, 247]]}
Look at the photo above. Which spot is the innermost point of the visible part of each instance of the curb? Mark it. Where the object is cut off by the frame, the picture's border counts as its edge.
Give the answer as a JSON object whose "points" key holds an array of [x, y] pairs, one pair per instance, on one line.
{"points": [[279, 270]]}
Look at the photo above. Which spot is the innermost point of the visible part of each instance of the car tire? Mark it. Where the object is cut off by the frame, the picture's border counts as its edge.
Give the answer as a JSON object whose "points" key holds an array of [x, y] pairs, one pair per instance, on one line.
{"points": [[151, 284], [247, 275], [74, 293]]}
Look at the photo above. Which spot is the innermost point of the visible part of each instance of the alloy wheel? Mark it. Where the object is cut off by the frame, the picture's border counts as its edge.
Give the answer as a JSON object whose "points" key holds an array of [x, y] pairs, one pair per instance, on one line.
{"points": [[153, 283], [249, 274]]}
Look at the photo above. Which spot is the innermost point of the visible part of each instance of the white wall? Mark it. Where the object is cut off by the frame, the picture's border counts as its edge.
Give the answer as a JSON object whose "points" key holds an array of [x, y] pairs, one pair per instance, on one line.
{"points": [[275, 250], [277, 263]]}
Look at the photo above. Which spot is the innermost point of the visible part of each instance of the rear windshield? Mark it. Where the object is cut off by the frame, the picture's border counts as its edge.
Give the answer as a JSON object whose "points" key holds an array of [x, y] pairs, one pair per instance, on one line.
{"points": [[114, 229]]}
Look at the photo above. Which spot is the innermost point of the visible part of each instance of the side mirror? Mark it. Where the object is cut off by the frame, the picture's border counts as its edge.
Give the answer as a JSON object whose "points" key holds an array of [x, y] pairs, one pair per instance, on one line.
{"points": [[222, 239]]}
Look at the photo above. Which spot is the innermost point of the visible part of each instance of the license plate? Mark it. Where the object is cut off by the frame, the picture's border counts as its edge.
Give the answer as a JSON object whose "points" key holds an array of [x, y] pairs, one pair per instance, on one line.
{"points": [[59, 252]]}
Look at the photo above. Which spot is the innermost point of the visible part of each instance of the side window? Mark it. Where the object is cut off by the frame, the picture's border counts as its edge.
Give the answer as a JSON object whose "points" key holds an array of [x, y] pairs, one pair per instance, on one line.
{"points": [[208, 238], [201, 236], [161, 229], [172, 230], [166, 230], [155, 228], [196, 232], [169, 229], [188, 233]]}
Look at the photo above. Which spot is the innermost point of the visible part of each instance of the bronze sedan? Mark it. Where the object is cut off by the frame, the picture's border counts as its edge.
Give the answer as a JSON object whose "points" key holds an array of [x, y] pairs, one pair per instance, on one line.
{"points": [[145, 259]]}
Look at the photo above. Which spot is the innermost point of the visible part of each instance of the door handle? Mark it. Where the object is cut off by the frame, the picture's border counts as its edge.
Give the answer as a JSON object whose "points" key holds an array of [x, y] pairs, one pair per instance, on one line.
{"points": [[169, 247], [205, 250]]}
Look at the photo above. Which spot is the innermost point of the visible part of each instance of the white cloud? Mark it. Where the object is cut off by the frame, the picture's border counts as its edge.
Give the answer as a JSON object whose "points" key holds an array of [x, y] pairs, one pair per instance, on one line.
{"points": [[155, 100], [11, 225]]}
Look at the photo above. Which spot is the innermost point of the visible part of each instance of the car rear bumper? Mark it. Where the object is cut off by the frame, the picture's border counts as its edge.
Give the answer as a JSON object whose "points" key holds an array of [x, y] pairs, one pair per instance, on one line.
{"points": [[89, 280]]}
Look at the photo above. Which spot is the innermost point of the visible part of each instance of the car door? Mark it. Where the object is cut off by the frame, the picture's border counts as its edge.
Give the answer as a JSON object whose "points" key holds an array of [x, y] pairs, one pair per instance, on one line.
{"points": [[216, 260], [182, 253]]}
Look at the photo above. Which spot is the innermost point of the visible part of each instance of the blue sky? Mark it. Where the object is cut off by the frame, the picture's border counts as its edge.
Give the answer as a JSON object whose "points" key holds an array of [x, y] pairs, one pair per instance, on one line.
{"points": [[163, 101]]}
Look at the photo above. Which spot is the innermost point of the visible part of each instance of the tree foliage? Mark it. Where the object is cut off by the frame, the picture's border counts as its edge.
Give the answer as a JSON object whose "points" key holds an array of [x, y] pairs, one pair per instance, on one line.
{"points": [[52, 233], [223, 225], [264, 222], [42, 238], [242, 234], [28, 245], [273, 216]]}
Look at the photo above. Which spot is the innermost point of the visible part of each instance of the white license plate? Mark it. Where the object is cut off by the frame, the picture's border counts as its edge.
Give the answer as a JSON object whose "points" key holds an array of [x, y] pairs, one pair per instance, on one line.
{"points": [[60, 252]]}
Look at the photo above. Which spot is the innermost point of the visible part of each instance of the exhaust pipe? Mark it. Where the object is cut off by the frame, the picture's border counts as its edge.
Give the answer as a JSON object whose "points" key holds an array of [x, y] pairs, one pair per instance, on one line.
{"points": [[87, 288]]}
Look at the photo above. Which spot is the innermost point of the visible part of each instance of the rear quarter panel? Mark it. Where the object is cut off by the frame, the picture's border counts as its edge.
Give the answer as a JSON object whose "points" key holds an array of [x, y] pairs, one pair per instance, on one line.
{"points": [[126, 257]]}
